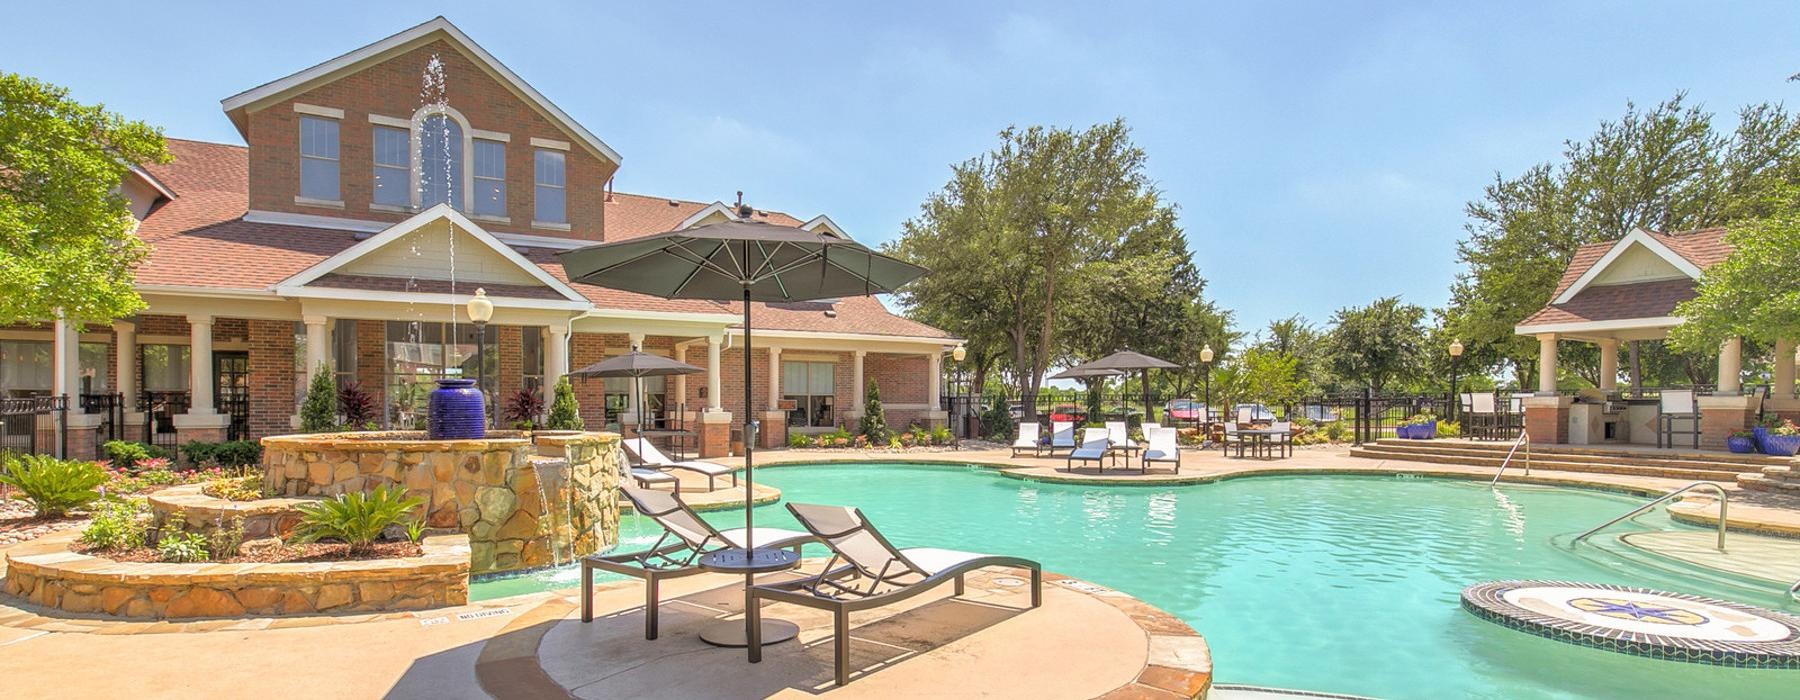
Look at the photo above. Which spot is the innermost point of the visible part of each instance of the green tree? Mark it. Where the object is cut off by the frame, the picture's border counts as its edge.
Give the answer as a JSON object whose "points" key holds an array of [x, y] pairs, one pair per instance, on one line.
{"points": [[1662, 169], [873, 424], [318, 414], [1269, 377], [1375, 344], [1011, 234], [1295, 337], [66, 237], [1755, 292], [565, 413]]}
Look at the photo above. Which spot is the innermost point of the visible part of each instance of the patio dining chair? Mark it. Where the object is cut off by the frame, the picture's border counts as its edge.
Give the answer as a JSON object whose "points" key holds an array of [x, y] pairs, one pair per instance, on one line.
{"points": [[1282, 441], [1094, 447], [1028, 439], [1246, 415], [676, 553], [1481, 417], [875, 574], [1679, 414], [1161, 447], [1233, 438]]}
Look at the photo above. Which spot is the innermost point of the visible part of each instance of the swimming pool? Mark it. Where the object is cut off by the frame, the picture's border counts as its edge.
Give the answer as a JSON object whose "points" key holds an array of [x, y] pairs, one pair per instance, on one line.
{"points": [[1344, 584]]}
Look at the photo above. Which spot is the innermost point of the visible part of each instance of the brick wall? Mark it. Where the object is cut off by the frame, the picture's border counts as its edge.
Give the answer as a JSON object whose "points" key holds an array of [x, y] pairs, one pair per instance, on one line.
{"points": [[371, 363], [271, 376], [903, 380], [392, 89]]}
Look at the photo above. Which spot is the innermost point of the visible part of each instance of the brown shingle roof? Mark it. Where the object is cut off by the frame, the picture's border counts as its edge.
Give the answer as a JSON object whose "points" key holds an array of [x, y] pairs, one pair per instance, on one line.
{"points": [[1702, 247], [200, 239]]}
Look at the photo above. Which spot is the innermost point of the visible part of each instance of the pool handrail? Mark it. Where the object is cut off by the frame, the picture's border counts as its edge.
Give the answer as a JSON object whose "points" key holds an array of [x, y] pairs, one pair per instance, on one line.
{"points": [[1723, 501], [1794, 590], [1523, 439]]}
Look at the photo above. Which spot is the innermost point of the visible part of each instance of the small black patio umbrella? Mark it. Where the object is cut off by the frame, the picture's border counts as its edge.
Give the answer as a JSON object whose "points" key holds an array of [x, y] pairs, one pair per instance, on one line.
{"points": [[636, 365], [1120, 363], [743, 261]]}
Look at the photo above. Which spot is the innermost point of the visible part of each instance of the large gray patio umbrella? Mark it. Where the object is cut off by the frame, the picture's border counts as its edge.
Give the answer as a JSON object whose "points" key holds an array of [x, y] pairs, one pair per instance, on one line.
{"points": [[1120, 363], [636, 365], [741, 261]]}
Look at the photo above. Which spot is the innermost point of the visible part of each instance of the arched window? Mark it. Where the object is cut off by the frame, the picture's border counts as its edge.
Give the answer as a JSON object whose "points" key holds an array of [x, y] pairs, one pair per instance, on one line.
{"points": [[440, 162]]}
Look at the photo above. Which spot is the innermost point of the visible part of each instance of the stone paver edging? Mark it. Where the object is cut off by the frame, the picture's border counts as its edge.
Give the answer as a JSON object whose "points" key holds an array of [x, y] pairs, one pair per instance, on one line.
{"points": [[1641, 622], [263, 517], [47, 573]]}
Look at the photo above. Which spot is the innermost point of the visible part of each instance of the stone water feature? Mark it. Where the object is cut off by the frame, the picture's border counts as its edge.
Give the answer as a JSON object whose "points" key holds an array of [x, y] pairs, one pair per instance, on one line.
{"points": [[525, 501]]}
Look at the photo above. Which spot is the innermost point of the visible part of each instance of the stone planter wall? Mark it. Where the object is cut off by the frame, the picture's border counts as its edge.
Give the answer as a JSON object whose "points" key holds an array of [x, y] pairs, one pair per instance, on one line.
{"points": [[267, 517], [520, 509], [44, 572]]}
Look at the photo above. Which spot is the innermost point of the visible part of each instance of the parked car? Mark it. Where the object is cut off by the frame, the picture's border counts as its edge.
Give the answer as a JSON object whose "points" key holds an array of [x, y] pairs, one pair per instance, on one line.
{"points": [[1073, 414], [1184, 410], [1320, 414], [1258, 412]]}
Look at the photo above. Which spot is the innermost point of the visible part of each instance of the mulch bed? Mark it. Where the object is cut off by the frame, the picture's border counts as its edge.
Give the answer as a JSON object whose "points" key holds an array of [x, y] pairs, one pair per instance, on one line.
{"points": [[300, 553]]}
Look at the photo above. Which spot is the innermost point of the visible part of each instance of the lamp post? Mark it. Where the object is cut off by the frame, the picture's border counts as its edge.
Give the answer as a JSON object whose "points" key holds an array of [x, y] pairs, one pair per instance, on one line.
{"points": [[480, 312], [956, 358], [1456, 351], [1206, 358]]}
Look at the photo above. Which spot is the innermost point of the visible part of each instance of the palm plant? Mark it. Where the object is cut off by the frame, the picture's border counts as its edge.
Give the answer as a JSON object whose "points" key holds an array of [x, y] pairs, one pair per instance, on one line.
{"points": [[356, 518], [53, 486]]}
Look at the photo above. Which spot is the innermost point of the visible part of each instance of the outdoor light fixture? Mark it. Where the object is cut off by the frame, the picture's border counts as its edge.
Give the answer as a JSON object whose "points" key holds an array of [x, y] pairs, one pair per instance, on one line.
{"points": [[1206, 353], [1206, 358], [1456, 350], [480, 312], [959, 353]]}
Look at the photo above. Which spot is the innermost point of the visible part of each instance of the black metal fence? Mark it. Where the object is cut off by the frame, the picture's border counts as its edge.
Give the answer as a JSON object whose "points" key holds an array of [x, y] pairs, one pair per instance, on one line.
{"points": [[111, 409], [159, 409], [34, 425]]}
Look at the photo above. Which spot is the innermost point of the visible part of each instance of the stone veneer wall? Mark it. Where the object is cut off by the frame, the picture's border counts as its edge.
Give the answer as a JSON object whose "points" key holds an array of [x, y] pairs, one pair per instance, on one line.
{"points": [[45, 572], [489, 488]]}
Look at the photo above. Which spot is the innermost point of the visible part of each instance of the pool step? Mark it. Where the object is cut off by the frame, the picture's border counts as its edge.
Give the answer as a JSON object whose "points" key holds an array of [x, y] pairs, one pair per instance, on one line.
{"points": [[1782, 479], [1602, 453], [1557, 462]]}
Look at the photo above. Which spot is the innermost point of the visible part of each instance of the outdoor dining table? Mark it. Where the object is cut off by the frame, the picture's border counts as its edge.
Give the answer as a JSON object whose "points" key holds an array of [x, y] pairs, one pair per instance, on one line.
{"points": [[1260, 435]]}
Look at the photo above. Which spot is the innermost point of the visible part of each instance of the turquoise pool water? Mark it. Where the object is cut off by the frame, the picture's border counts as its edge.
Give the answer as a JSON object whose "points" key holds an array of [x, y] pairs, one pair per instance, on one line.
{"points": [[1340, 584]]}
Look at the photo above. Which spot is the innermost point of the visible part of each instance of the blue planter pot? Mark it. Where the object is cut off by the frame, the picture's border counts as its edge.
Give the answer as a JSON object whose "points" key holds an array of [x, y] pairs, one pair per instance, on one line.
{"points": [[1760, 436], [1740, 445], [456, 411], [1425, 431], [1781, 445]]}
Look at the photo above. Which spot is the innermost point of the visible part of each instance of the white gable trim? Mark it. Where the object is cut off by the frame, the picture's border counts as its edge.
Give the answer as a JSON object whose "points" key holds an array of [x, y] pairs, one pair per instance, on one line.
{"points": [[1639, 237], [276, 89], [144, 176], [824, 222], [293, 285], [1624, 324], [711, 209]]}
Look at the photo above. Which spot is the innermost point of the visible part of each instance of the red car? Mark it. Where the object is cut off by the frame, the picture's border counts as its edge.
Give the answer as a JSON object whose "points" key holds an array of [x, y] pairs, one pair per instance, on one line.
{"points": [[1070, 414]]}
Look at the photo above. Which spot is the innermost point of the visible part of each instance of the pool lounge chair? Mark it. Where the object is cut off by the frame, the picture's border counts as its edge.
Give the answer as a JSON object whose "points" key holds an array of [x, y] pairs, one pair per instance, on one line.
{"points": [[1119, 435], [1028, 440], [1062, 436], [1161, 447], [650, 477], [875, 574], [666, 559], [645, 455], [1094, 447]]}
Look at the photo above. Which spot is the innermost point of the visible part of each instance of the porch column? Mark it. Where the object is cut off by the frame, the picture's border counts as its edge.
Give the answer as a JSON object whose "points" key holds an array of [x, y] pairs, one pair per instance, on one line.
{"points": [[774, 376], [680, 355], [713, 397], [934, 383], [774, 420], [860, 390], [66, 381], [1730, 364], [556, 358], [1547, 363], [318, 345], [1784, 369], [200, 385], [1609, 364], [634, 391], [125, 361]]}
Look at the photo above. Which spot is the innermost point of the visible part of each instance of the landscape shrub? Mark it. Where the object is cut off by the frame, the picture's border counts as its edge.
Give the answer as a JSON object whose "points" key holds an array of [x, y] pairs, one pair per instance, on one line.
{"points": [[355, 406], [236, 453], [126, 454], [318, 414], [355, 518], [182, 547], [235, 488], [565, 413], [874, 423], [523, 409], [116, 525], [996, 421], [798, 440], [52, 486]]}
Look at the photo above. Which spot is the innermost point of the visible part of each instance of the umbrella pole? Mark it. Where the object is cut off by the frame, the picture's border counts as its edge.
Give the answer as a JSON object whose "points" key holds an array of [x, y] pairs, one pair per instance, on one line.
{"points": [[749, 437]]}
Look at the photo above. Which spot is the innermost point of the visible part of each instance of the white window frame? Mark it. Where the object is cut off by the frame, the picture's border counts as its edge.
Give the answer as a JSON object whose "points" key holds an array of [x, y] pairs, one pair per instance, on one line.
{"points": [[536, 185], [300, 196], [468, 147], [407, 168], [475, 178]]}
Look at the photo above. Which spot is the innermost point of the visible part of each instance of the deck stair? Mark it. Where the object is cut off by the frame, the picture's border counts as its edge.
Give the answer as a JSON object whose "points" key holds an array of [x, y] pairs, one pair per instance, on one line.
{"points": [[1690, 465], [1775, 479]]}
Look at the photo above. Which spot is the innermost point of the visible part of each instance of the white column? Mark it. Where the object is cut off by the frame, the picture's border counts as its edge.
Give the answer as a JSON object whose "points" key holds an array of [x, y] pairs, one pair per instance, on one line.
{"points": [[633, 393], [713, 405], [556, 358], [1784, 369], [860, 390], [318, 345], [934, 384], [774, 376], [1730, 363], [1547, 363], [66, 363], [125, 361], [1609, 364], [680, 355], [200, 381]]}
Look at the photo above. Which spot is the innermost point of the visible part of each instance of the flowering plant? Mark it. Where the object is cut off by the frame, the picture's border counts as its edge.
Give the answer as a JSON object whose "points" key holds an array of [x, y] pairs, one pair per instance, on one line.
{"points": [[1785, 428]]}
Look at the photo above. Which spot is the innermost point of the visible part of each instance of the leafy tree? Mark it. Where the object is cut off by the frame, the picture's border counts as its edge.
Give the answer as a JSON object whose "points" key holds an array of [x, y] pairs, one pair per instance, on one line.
{"points": [[1269, 377], [66, 243], [318, 414], [1010, 237], [1663, 169], [1375, 344], [565, 413], [1754, 293], [874, 421], [1295, 337], [997, 421]]}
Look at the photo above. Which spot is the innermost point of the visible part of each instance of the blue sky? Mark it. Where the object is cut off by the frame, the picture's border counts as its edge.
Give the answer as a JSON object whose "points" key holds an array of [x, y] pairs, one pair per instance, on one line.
{"points": [[1320, 153]]}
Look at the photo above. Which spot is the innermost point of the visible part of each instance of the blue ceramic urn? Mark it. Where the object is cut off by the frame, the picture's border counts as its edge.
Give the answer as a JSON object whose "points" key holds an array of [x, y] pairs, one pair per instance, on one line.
{"points": [[456, 411]]}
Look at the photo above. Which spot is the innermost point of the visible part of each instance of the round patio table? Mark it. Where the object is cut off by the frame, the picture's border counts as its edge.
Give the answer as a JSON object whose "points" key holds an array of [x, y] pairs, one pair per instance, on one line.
{"points": [[1262, 435], [727, 633]]}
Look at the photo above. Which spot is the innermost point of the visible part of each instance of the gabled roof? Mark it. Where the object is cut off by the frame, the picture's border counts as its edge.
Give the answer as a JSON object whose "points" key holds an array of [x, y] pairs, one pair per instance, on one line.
{"points": [[436, 28], [1656, 244], [1580, 303], [634, 215], [441, 212]]}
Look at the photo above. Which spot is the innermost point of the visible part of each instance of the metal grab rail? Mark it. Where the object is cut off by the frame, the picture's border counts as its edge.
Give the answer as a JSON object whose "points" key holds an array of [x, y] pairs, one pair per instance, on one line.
{"points": [[1794, 590], [1665, 497], [1523, 439]]}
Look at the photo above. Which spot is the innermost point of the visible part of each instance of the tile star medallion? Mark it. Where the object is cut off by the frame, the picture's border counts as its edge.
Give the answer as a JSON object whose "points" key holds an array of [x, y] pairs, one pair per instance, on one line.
{"points": [[1641, 622]]}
